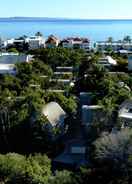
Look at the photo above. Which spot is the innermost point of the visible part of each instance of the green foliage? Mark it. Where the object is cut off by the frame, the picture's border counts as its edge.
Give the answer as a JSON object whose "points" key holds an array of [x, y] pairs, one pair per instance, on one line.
{"points": [[115, 149], [38, 34], [63, 177], [67, 103], [15, 168], [59, 56], [122, 63], [13, 50]]}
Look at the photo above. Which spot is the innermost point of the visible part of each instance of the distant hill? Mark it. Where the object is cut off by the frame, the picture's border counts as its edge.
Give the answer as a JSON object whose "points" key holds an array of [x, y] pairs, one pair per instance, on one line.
{"points": [[35, 18], [56, 19]]}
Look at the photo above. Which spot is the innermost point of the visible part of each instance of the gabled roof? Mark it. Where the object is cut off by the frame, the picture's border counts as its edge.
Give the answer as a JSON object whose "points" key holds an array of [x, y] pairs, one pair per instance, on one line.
{"points": [[52, 39], [54, 113]]}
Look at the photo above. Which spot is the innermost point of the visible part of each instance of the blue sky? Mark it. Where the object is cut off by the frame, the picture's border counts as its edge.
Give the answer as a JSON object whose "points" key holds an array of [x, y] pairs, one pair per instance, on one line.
{"points": [[67, 8]]}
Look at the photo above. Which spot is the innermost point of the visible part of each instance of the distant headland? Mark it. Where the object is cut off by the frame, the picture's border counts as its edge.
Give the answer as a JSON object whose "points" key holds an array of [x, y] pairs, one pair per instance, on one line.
{"points": [[19, 18]]}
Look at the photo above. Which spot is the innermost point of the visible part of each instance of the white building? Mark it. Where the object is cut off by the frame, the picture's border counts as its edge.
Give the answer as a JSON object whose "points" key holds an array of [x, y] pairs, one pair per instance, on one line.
{"points": [[8, 61], [115, 46], [76, 43], [35, 42], [6, 43], [7, 69]]}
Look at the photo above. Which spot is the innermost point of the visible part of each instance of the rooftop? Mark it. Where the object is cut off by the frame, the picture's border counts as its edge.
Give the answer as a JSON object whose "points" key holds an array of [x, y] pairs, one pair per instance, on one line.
{"points": [[125, 109], [13, 58], [54, 113]]}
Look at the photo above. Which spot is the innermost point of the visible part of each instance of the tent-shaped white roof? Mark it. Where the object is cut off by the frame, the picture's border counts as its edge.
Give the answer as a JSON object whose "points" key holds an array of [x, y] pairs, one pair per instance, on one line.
{"points": [[54, 113]]}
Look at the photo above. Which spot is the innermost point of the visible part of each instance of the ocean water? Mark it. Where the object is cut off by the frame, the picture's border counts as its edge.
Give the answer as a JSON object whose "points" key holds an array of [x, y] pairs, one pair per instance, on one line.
{"points": [[95, 30]]}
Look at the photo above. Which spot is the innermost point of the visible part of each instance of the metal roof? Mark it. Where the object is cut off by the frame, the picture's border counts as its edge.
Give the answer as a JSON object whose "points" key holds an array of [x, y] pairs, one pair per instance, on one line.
{"points": [[54, 113]]}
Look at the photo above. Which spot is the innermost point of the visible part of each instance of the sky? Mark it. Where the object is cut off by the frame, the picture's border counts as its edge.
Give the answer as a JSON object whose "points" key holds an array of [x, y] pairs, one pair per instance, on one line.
{"points": [[83, 9]]}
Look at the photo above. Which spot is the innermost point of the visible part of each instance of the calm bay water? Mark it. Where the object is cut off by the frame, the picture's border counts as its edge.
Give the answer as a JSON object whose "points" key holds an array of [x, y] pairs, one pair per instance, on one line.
{"points": [[95, 30]]}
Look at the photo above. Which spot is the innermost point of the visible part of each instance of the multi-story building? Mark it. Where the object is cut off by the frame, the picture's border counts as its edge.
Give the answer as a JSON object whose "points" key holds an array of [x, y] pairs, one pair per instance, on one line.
{"points": [[115, 46], [76, 43], [35, 42]]}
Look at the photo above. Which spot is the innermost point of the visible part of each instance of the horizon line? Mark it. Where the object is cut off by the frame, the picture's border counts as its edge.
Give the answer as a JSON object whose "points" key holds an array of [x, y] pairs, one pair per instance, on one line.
{"points": [[66, 18]]}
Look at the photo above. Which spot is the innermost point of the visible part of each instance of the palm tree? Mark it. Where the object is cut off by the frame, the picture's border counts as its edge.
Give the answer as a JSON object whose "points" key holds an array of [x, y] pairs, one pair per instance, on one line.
{"points": [[127, 39], [110, 40], [39, 34]]}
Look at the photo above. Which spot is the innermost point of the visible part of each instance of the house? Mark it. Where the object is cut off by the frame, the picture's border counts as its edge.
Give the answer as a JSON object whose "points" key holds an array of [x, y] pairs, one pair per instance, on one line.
{"points": [[8, 61], [85, 44], [52, 42], [54, 114], [76, 43], [35, 42], [7, 69], [125, 113], [7, 43], [107, 62], [18, 42], [13, 58], [67, 43]]}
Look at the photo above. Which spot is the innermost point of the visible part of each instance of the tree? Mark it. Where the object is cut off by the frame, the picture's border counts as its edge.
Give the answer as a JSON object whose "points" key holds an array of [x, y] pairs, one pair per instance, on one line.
{"points": [[38, 34], [63, 177], [13, 50], [110, 40], [59, 56], [127, 39], [114, 149], [15, 168]]}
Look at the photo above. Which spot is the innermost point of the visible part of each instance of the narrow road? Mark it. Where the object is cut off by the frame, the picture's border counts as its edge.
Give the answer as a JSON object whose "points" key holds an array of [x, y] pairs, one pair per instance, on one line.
{"points": [[74, 138]]}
